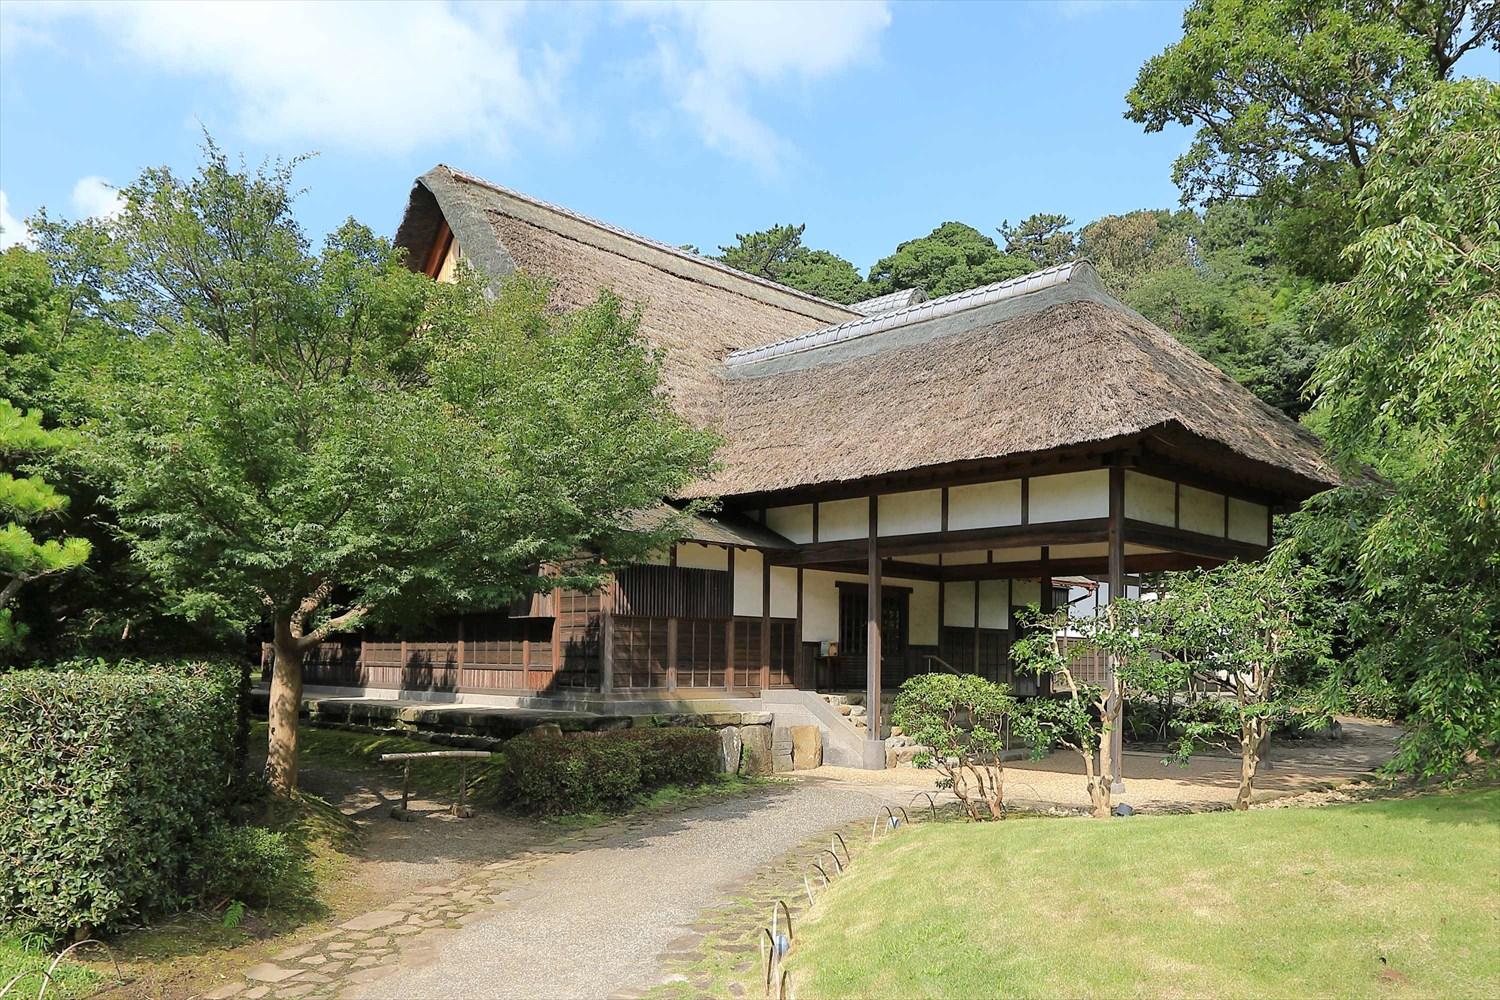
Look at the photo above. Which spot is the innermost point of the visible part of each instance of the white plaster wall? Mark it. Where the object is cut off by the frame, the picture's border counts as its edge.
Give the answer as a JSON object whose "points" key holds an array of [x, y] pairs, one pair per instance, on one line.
{"points": [[984, 505], [911, 513], [662, 558], [842, 519], [1068, 495], [958, 604], [924, 613], [994, 596], [925, 558], [1202, 511], [820, 606], [783, 592], [1080, 551], [1148, 498], [1025, 592], [1247, 521], [965, 558], [695, 556], [795, 523], [1024, 554], [747, 582]]}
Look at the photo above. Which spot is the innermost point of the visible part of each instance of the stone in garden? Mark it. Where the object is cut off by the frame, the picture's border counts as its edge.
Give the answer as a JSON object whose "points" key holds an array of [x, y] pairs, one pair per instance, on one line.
{"points": [[545, 729], [730, 745], [807, 747], [372, 920], [268, 972], [756, 757]]}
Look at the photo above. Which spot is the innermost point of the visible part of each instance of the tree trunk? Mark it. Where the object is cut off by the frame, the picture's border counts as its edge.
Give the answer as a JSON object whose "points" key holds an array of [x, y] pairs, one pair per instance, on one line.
{"points": [[286, 701], [1252, 737]]}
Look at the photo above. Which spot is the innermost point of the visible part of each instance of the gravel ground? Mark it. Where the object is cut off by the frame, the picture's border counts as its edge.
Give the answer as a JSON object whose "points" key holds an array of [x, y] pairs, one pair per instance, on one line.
{"points": [[594, 922]]}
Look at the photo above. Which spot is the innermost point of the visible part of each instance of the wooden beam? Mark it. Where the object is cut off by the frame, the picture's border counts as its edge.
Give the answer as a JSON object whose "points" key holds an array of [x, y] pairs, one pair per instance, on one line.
{"points": [[1092, 529], [1190, 542]]}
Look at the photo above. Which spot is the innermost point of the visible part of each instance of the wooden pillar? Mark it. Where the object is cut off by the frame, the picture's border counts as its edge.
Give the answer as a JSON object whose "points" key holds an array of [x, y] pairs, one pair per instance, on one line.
{"points": [[874, 758], [607, 639], [729, 634], [459, 680], [765, 621], [671, 654], [801, 665], [976, 626], [1117, 593]]}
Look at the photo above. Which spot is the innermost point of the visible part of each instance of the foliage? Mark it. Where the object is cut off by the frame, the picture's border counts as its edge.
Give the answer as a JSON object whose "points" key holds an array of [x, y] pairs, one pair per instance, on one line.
{"points": [[24, 966], [1285, 93], [327, 439], [602, 772], [108, 782], [962, 721], [1084, 716], [1043, 239], [1270, 903], [951, 258], [1416, 375], [777, 254], [1260, 629], [25, 500], [249, 865]]}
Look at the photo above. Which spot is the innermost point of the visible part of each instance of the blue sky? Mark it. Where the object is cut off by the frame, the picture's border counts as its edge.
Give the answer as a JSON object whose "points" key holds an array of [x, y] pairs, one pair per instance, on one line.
{"points": [[870, 122]]}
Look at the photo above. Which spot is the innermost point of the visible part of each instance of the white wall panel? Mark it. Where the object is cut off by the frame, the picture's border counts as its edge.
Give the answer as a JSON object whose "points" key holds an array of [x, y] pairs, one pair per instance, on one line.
{"points": [[1247, 521], [783, 592], [1068, 496], [958, 604], [795, 523], [924, 613], [843, 519], [695, 556], [747, 582], [1202, 511], [984, 505], [911, 513], [1148, 498], [994, 596]]}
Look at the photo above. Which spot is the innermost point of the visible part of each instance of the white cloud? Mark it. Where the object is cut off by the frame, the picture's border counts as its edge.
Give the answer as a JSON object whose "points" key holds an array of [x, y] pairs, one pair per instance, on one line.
{"points": [[711, 56], [382, 77], [12, 230], [97, 198]]}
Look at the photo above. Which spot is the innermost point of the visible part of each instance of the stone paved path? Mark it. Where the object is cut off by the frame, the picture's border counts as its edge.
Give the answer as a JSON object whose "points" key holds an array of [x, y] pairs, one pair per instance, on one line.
{"points": [[598, 914]]}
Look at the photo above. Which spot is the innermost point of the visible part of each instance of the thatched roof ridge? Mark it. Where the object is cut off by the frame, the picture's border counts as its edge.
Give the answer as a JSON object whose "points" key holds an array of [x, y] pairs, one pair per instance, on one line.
{"points": [[1045, 362], [460, 193], [890, 301]]}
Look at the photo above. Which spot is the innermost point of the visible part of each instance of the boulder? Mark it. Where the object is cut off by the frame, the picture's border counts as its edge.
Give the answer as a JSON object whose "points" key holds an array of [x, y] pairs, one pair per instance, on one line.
{"points": [[807, 747], [781, 749], [756, 758], [730, 746], [545, 730]]}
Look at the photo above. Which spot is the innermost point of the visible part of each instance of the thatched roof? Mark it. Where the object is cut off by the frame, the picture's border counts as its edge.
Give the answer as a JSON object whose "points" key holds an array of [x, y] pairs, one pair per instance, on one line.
{"points": [[697, 310], [810, 393], [1039, 363], [720, 528]]}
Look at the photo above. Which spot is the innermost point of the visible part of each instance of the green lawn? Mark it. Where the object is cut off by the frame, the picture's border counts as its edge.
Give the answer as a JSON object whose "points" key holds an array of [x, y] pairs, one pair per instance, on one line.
{"points": [[68, 980], [1384, 899]]}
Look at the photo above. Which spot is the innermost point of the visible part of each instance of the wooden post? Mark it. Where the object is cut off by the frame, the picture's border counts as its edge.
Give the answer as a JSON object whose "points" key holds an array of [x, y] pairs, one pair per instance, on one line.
{"points": [[765, 622], [976, 626], [874, 758], [607, 641], [671, 654], [458, 681], [1116, 593], [729, 637], [801, 667]]}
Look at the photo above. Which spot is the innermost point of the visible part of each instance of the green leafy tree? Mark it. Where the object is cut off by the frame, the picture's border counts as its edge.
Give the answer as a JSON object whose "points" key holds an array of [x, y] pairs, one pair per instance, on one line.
{"points": [[25, 500], [1084, 716], [321, 440], [1257, 636], [779, 255], [1280, 87], [962, 721], [1043, 238], [952, 258], [1416, 375]]}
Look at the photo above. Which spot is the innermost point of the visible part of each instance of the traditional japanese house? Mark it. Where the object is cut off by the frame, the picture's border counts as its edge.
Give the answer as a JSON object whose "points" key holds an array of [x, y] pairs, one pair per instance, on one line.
{"points": [[899, 476]]}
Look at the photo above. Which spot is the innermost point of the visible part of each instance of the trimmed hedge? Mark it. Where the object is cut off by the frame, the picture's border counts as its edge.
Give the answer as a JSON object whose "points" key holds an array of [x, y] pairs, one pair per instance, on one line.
{"points": [[603, 772], [107, 783]]}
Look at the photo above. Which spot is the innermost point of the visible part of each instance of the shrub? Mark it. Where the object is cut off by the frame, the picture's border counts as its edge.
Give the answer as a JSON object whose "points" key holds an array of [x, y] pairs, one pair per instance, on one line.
{"points": [[250, 864], [961, 719], [107, 781], [602, 772]]}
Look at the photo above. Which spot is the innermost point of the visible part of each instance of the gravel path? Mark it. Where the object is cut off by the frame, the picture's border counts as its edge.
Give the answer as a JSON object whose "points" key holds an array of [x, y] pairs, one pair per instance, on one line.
{"points": [[594, 922]]}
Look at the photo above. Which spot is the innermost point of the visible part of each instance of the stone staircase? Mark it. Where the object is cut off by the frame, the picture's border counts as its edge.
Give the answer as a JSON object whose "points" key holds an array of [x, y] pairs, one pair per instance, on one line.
{"points": [[900, 749]]}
